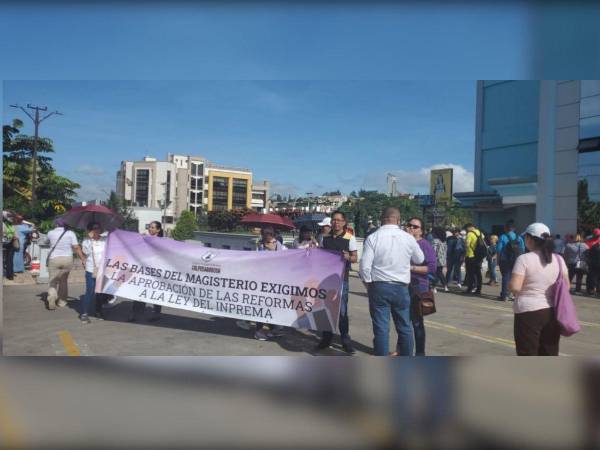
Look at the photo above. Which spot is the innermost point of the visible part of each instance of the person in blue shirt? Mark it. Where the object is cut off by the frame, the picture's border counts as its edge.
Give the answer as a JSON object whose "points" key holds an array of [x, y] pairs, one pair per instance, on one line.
{"points": [[510, 246]]}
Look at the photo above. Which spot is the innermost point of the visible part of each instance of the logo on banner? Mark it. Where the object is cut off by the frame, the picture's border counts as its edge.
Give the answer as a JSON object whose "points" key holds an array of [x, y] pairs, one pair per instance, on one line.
{"points": [[205, 265], [208, 257]]}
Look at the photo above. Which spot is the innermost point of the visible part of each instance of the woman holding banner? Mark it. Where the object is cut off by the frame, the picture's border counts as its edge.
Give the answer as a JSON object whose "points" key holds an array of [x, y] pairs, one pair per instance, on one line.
{"points": [[154, 229], [93, 248]]}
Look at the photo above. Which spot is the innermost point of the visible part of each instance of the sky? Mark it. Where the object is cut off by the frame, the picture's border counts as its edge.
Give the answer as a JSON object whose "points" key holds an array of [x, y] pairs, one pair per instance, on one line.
{"points": [[312, 95], [302, 136]]}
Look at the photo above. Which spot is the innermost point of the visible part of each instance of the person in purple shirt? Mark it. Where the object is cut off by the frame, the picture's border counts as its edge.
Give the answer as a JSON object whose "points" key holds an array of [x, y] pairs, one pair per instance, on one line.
{"points": [[419, 279]]}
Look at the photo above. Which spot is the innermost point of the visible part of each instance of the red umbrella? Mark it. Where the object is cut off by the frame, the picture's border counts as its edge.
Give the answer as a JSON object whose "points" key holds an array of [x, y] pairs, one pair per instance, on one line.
{"points": [[80, 217], [262, 220]]}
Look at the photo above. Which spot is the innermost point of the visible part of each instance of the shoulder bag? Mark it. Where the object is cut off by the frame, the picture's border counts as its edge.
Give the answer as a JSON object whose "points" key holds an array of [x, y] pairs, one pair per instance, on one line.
{"points": [[50, 253]]}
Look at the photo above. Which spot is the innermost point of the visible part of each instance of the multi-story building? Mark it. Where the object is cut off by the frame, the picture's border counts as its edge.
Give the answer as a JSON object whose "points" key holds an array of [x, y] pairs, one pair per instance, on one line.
{"points": [[184, 183], [534, 141], [260, 197]]}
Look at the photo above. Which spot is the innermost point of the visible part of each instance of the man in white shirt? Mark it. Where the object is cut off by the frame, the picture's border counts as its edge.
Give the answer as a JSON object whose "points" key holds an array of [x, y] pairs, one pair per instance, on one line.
{"points": [[385, 269], [63, 243]]}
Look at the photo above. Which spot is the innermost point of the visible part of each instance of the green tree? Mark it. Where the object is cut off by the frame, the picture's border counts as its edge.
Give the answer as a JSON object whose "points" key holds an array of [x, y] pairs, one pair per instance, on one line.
{"points": [[55, 193], [588, 212], [117, 204], [226, 220], [369, 205], [186, 225]]}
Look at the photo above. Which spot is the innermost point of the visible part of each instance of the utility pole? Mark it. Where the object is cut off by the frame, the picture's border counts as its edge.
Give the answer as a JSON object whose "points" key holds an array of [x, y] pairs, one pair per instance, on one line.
{"points": [[36, 122]]}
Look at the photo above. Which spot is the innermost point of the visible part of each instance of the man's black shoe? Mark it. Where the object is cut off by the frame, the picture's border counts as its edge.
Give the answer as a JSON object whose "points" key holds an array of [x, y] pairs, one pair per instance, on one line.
{"points": [[348, 348], [323, 344]]}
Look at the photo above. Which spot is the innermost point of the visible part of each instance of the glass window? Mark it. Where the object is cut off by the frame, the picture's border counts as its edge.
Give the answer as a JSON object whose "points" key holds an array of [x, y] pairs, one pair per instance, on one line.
{"points": [[220, 191], [590, 106], [168, 187], [589, 127], [240, 192], [590, 87], [142, 181]]}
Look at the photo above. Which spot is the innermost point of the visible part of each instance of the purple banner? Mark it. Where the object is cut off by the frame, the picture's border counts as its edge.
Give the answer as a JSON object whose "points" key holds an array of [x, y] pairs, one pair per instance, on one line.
{"points": [[297, 288]]}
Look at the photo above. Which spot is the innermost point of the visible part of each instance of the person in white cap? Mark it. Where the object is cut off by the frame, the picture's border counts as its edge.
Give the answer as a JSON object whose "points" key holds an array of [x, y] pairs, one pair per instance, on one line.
{"points": [[536, 329], [325, 225]]}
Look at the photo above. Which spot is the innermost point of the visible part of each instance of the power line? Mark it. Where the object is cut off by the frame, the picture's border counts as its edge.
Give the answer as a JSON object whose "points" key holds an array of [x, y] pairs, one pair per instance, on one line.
{"points": [[36, 122]]}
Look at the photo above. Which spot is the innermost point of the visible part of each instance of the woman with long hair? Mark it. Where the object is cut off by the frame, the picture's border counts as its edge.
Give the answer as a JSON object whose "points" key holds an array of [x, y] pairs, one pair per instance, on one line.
{"points": [[532, 281]]}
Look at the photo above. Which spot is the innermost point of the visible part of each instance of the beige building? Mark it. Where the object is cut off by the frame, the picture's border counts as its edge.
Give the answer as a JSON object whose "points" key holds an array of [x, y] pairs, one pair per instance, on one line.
{"points": [[188, 183]]}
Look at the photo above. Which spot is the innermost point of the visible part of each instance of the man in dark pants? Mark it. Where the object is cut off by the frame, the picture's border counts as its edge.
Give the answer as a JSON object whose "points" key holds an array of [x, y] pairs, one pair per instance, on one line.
{"points": [[343, 242], [473, 260], [8, 236], [510, 246]]}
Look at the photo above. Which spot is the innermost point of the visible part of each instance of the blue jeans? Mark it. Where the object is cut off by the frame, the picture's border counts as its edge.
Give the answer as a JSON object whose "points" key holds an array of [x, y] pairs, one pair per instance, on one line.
{"points": [[506, 271], [417, 321], [90, 294], [492, 267], [386, 298], [344, 322], [453, 272]]}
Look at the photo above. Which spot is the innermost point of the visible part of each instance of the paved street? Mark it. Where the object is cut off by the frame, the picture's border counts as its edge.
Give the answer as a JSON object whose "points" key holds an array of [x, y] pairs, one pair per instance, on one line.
{"points": [[463, 325]]}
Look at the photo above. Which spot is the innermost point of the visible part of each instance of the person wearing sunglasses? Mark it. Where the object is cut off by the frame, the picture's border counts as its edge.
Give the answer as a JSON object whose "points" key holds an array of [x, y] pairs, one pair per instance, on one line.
{"points": [[419, 280]]}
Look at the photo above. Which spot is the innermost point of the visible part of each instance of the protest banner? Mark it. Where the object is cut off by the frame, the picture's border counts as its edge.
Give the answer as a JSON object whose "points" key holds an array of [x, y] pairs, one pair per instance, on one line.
{"points": [[296, 288]]}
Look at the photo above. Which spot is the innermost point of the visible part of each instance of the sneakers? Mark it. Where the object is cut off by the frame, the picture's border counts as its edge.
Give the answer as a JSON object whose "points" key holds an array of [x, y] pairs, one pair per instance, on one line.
{"points": [[84, 318], [61, 303], [261, 335], [435, 290], [51, 299], [243, 324], [458, 285], [446, 289], [113, 300]]}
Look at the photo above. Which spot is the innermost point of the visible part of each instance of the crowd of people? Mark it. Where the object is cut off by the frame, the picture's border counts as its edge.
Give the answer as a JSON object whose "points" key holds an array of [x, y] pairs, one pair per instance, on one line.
{"points": [[402, 265], [16, 237]]}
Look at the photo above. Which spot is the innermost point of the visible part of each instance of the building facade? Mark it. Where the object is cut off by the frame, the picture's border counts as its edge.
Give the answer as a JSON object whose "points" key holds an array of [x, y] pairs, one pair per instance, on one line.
{"points": [[534, 141], [186, 183]]}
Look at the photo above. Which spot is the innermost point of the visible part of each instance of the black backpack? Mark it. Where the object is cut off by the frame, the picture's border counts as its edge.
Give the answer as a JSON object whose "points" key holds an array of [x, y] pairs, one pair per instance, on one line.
{"points": [[512, 251], [481, 250]]}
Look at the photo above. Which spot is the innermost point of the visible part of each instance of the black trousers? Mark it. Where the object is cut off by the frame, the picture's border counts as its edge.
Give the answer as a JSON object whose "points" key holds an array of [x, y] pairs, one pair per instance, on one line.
{"points": [[474, 280], [139, 307], [592, 281], [8, 258], [578, 274], [440, 277], [537, 333]]}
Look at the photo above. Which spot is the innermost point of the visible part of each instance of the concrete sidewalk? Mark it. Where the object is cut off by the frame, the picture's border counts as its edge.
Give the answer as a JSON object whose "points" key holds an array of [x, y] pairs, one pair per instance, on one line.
{"points": [[464, 325]]}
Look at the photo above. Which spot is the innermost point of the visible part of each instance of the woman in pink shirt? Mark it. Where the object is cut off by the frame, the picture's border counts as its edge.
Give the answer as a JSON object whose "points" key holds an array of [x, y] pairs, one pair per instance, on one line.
{"points": [[533, 278]]}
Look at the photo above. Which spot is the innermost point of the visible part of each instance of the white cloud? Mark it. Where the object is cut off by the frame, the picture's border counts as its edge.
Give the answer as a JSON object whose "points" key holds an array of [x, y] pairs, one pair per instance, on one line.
{"points": [[418, 181], [86, 169], [409, 181]]}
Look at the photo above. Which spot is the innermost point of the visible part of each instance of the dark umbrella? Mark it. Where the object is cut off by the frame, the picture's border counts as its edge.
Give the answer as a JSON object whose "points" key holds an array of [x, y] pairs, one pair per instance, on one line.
{"points": [[81, 216], [262, 220]]}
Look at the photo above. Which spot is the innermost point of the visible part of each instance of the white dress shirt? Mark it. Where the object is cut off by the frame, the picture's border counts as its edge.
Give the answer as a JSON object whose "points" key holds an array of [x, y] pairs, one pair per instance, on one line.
{"points": [[387, 255]]}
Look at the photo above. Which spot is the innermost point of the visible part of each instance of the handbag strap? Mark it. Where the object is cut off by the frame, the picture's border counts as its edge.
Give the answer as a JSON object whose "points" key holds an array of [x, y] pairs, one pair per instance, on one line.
{"points": [[56, 243]]}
